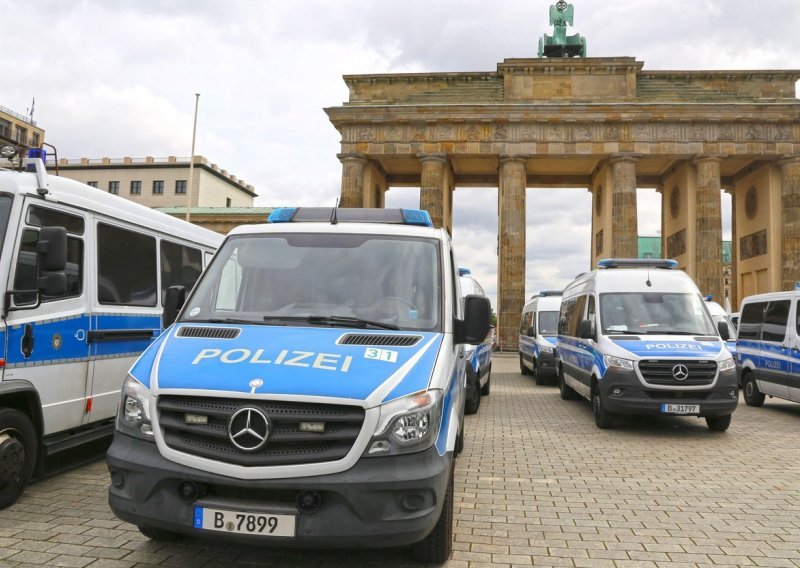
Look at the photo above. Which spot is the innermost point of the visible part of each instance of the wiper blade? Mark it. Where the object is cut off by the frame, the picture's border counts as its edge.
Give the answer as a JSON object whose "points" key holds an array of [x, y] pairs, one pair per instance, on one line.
{"points": [[228, 320], [334, 320]]}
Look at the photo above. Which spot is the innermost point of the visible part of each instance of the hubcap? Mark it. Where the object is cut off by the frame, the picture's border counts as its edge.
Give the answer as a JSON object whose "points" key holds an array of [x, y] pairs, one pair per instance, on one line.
{"points": [[748, 388], [12, 459]]}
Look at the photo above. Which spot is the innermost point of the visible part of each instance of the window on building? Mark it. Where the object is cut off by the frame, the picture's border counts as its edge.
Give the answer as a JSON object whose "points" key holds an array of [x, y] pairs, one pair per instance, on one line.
{"points": [[227, 202], [5, 128], [180, 186], [22, 135], [158, 186], [126, 267], [113, 187], [136, 188], [180, 266], [91, 183], [35, 139]]}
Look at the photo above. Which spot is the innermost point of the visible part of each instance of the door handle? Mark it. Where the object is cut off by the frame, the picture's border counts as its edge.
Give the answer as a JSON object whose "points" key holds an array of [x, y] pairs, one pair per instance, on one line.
{"points": [[27, 341]]}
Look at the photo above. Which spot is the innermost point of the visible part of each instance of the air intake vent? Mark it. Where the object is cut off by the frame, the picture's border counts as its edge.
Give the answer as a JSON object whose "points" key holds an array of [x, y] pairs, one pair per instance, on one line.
{"points": [[377, 339], [210, 332]]}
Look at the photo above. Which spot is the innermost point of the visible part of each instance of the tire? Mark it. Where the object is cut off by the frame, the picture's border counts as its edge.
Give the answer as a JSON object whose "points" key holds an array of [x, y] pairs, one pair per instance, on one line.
{"points": [[752, 396], [537, 374], [486, 389], [159, 535], [602, 417], [522, 368], [437, 547], [718, 423], [566, 391], [18, 449], [473, 401]]}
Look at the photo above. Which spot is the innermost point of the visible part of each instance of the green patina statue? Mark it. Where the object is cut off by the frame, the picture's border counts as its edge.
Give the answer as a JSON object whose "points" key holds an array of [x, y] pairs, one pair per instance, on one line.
{"points": [[560, 44]]}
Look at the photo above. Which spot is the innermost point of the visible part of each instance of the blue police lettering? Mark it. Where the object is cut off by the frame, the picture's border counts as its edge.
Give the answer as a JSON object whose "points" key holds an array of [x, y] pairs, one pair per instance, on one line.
{"points": [[308, 359]]}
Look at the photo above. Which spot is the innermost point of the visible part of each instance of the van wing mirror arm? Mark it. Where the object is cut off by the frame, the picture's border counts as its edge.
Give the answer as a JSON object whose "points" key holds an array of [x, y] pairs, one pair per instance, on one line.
{"points": [[7, 307]]}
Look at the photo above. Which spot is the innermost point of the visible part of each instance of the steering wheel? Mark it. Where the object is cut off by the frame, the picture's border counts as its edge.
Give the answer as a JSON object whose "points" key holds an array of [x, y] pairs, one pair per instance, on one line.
{"points": [[397, 299]]}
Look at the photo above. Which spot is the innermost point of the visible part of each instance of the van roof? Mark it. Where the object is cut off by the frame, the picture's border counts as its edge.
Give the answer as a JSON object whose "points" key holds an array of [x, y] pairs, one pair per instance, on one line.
{"points": [[784, 295], [632, 280], [343, 228], [543, 303]]}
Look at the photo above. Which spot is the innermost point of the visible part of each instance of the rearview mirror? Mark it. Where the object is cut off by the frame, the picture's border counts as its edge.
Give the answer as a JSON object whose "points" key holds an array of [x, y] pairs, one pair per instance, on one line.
{"points": [[173, 302], [724, 332], [587, 329], [477, 320]]}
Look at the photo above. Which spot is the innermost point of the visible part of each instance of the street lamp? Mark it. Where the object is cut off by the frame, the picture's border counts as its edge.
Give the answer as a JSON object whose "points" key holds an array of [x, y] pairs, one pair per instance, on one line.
{"points": [[191, 161]]}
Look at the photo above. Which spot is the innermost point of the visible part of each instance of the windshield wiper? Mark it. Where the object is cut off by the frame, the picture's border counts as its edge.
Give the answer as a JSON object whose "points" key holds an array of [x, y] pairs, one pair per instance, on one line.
{"points": [[228, 320], [334, 320]]}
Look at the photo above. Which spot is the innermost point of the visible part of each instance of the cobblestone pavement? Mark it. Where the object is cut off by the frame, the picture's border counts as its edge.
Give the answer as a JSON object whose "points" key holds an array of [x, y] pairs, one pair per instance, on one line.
{"points": [[537, 484]]}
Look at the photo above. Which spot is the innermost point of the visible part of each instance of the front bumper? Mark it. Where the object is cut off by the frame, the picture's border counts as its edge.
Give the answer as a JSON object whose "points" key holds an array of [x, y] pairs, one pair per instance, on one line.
{"points": [[636, 398], [379, 502], [546, 363]]}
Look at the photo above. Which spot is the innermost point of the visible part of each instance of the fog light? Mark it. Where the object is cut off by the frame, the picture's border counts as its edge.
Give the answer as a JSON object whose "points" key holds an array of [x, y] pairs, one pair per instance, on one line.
{"points": [[308, 501], [734, 394], [617, 391], [413, 502], [188, 491], [117, 479]]}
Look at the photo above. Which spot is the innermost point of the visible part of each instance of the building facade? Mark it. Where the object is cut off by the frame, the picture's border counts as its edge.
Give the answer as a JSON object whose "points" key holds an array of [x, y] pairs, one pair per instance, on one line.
{"points": [[161, 182], [19, 130]]}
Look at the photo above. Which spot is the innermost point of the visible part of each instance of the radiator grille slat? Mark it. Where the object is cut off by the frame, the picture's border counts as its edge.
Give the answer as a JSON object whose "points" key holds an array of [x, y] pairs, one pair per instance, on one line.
{"points": [[209, 332], [379, 339]]}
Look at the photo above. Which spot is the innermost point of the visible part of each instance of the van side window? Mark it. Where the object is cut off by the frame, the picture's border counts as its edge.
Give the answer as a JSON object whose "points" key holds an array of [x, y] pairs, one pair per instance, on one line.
{"points": [[576, 316], [44, 217], [590, 311], [531, 325], [180, 266], [523, 323], [567, 306], [775, 319], [25, 277], [751, 320], [126, 267]]}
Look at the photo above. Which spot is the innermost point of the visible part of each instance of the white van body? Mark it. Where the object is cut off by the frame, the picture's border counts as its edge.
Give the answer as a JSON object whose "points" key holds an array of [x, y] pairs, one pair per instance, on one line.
{"points": [[66, 356], [537, 336], [312, 386], [768, 345], [635, 337]]}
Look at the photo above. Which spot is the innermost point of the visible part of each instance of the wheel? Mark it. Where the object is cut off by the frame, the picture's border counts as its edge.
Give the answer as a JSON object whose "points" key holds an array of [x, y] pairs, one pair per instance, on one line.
{"points": [[459, 443], [438, 545], [537, 374], [473, 402], [18, 447], [752, 396], [486, 389], [522, 368], [602, 417], [567, 392], [718, 423], [160, 535]]}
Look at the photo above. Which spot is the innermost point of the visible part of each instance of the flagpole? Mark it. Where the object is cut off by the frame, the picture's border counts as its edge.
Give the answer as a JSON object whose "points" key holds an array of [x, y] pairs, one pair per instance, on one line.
{"points": [[191, 161]]}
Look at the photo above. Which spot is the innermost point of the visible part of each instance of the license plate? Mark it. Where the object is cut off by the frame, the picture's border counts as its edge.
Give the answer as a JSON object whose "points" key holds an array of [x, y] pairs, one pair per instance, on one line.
{"points": [[680, 409], [244, 523]]}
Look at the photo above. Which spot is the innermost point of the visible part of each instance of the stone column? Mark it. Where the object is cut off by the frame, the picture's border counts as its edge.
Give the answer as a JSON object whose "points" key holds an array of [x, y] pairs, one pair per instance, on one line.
{"points": [[734, 282], [664, 205], [511, 241], [432, 186], [353, 166], [624, 237], [708, 228], [790, 221]]}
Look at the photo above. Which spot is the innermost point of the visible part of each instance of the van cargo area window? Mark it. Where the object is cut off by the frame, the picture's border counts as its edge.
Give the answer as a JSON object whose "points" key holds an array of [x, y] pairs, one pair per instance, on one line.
{"points": [[25, 276], [655, 313], [297, 279], [126, 267]]}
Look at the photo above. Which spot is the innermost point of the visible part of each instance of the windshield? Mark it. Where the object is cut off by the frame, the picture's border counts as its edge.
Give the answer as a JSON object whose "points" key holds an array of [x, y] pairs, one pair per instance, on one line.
{"points": [[654, 313], [322, 279], [5, 212], [548, 323]]}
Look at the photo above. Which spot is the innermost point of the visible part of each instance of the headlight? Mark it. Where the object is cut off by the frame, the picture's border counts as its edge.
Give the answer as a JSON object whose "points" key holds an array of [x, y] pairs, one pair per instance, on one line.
{"points": [[546, 349], [618, 362], [727, 364], [408, 424], [134, 410]]}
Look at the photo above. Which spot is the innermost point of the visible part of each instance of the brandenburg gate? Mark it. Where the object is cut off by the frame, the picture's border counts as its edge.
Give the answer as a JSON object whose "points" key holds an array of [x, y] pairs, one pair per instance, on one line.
{"points": [[601, 123]]}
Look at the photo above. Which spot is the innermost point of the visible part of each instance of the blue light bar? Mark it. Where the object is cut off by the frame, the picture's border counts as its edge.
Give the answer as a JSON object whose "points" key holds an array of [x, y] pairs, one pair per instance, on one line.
{"points": [[40, 153], [464, 271], [416, 217], [282, 215], [638, 263], [709, 298]]}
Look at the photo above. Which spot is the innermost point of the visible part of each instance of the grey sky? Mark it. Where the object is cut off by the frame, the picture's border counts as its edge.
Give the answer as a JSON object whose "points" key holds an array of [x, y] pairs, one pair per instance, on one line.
{"points": [[117, 78]]}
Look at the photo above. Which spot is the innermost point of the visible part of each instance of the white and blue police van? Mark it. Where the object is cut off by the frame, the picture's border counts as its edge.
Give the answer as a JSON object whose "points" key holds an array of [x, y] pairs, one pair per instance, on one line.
{"points": [[479, 357], [537, 336], [310, 392], [635, 337], [768, 347], [723, 319], [85, 275]]}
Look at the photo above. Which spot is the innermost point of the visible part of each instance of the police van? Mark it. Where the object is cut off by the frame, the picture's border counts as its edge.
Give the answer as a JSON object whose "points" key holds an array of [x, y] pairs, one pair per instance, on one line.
{"points": [[635, 337], [310, 392], [537, 335], [479, 357], [722, 318], [768, 347], [85, 275]]}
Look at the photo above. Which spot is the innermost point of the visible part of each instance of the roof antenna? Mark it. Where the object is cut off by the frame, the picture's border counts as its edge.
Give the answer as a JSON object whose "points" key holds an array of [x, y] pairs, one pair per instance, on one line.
{"points": [[648, 277], [334, 221]]}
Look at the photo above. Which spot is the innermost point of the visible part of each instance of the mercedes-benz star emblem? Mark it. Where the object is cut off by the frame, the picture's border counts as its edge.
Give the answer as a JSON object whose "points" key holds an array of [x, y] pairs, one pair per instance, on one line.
{"points": [[248, 429], [680, 372]]}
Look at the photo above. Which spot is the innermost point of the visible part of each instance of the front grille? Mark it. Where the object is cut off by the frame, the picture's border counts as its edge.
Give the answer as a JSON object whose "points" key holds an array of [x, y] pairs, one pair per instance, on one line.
{"points": [[287, 444], [662, 372], [379, 339], [209, 332]]}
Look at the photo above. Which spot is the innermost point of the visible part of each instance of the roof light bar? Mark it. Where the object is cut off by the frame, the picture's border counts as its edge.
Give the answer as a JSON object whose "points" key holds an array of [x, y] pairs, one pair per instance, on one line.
{"points": [[665, 263], [464, 271], [282, 215], [350, 215]]}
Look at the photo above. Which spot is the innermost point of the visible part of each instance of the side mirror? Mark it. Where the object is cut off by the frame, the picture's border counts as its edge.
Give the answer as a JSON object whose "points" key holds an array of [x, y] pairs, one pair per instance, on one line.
{"points": [[531, 333], [52, 284], [587, 329], [173, 302], [51, 249], [724, 332], [477, 320]]}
